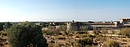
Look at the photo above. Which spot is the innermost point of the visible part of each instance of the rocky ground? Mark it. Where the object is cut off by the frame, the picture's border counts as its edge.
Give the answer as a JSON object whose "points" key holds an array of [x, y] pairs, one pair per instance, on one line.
{"points": [[66, 41], [69, 40], [3, 41]]}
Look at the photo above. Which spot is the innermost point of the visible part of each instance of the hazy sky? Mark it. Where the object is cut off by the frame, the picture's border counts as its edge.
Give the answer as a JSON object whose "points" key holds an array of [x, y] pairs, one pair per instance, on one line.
{"points": [[62, 10]]}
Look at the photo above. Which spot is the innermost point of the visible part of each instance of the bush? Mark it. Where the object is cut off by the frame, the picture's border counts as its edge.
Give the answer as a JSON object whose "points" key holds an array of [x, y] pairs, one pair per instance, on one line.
{"points": [[51, 32], [76, 44], [64, 33], [53, 45], [4, 33], [86, 41], [112, 43], [100, 38], [84, 35], [26, 34], [87, 35], [87, 46], [47, 32], [83, 28], [125, 31], [7, 25]]}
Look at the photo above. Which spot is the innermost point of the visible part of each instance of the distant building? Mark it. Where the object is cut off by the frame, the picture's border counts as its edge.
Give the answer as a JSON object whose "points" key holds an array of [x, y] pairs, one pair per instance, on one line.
{"points": [[125, 22], [102, 25], [73, 25], [38, 23], [52, 23], [99, 25]]}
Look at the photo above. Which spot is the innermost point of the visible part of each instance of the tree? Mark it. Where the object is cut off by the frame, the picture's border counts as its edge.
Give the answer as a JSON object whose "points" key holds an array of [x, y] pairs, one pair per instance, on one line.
{"points": [[7, 25], [26, 35], [1, 26]]}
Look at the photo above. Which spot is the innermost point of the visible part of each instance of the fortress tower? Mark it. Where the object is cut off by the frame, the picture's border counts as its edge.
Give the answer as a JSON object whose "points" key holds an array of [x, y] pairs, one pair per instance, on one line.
{"points": [[73, 26]]}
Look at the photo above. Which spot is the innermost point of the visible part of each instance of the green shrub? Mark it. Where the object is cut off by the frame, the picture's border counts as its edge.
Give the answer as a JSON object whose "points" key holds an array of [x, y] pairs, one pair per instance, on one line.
{"points": [[26, 34], [112, 43], [76, 44], [86, 41], [125, 31]]}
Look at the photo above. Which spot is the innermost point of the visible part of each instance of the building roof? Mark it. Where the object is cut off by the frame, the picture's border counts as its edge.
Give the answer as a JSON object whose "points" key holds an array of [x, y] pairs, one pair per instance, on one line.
{"points": [[126, 25], [103, 25]]}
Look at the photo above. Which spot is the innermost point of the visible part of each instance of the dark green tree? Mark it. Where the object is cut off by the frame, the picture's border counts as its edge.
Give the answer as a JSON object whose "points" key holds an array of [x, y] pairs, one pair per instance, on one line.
{"points": [[26, 35], [1, 26], [7, 25]]}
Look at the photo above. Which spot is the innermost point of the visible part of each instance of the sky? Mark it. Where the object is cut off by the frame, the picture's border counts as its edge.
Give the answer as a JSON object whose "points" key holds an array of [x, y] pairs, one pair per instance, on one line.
{"points": [[64, 10]]}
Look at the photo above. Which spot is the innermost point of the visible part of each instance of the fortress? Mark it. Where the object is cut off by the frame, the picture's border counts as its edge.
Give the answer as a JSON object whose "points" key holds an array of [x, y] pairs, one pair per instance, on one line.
{"points": [[122, 23]]}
